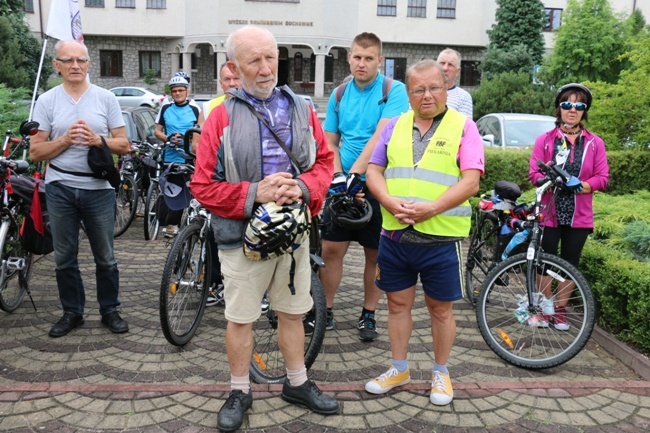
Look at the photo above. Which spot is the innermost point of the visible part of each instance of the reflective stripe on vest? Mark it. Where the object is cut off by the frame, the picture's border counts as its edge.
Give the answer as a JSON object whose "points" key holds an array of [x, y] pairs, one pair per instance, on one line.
{"points": [[436, 172]]}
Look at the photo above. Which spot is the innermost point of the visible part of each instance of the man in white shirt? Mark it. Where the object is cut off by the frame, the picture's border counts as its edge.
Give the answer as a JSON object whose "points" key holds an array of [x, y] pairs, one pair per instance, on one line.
{"points": [[457, 98]]}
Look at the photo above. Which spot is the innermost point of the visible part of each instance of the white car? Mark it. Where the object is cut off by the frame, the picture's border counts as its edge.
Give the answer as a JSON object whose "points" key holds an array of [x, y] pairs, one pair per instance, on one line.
{"points": [[138, 97], [513, 130]]}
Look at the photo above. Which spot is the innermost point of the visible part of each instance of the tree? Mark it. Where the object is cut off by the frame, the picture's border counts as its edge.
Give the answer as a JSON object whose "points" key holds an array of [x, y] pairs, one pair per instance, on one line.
{"points": [[512, 92], [587, 44], [621, 111], [497, 61], [519, 22], [21, 51]]}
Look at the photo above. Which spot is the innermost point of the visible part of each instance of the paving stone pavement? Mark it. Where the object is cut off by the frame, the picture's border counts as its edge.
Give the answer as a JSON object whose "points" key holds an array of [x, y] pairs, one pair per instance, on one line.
{"points": [[95, 381]]}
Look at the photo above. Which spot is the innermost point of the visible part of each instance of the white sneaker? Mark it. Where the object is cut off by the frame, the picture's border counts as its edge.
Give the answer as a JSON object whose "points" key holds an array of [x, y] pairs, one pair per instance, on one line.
{"points": [[442, 392], [388, 381]]}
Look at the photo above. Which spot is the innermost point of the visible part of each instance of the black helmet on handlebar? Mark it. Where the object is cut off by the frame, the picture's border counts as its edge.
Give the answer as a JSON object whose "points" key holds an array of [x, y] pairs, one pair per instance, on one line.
{"points": [[573, 87]]}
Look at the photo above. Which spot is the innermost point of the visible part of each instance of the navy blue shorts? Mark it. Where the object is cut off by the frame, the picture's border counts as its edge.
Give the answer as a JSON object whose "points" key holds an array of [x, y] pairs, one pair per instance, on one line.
{"points": [[438, 266], [367, 237]]}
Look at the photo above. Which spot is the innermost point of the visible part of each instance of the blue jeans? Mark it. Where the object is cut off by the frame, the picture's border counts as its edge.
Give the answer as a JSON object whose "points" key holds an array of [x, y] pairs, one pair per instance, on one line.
{"points": [[67, 208]]}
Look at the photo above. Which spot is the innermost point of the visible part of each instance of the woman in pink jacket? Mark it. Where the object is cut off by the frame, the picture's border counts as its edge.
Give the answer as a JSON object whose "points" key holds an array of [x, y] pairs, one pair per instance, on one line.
{"points": [[581, 153]]}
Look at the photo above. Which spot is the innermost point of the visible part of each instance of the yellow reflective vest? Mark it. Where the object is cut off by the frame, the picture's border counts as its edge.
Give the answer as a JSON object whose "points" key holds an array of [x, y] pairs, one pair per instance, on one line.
{"points": [[210, 105], [434, 174]]}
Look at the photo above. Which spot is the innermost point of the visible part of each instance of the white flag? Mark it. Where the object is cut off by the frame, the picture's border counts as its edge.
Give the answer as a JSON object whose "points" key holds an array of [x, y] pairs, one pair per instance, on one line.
{"points": [[64, 22]]}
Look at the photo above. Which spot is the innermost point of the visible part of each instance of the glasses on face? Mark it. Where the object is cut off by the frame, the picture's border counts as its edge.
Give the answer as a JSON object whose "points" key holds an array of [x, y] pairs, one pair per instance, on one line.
{"points": [[69, 62], [579, 106], [420, 92], [179, 90]]}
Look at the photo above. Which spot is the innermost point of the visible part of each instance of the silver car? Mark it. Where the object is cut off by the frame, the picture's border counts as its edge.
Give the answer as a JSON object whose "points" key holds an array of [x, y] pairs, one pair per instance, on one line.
{"points": [[138, 97], [513, 130]]}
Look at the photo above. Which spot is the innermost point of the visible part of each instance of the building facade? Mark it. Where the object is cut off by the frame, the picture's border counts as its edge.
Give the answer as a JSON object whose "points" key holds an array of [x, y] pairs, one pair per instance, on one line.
{"points": [[134, 41]]}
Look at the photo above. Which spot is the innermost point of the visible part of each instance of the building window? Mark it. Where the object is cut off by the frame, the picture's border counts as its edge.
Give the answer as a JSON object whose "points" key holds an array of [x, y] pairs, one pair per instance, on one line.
{"points": [[193, 60], [156, 4], [110, 63], [417, 8], [297, 66], [125, 4], [446, 9], [149, 60], [94, 3], [395, 68], [28, 6], [329, 68], [386, 8], [553, 19], [469, 74]]}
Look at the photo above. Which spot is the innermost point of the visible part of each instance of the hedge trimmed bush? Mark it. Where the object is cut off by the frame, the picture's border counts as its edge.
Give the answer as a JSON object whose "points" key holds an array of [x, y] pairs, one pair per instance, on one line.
{"points": [[620, 286]]}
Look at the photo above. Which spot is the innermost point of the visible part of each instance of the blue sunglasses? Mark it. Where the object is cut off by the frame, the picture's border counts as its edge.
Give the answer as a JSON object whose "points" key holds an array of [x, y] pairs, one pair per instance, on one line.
{"points": [[579, 106]]}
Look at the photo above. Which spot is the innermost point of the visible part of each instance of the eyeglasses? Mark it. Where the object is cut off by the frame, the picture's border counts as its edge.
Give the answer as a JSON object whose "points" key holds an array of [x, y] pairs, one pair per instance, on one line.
{"points": [[579, 106], [179, 90], [421, 92], [67, 62]]}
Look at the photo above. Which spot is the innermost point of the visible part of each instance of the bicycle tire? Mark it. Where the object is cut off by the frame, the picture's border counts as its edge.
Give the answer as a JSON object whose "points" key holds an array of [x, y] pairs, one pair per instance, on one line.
{"points": [[151, 223], [184, 285], [267, 364], [522, 344], [16, 266], [126, 201], [480, 255]]}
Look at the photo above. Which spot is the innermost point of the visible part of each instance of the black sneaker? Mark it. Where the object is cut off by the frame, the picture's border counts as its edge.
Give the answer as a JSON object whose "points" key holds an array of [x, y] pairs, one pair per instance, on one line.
{"points": [[330, 321], [367, 328], [231, 414], [115, 323], [308, 322], [308, 394], [215, 296]]}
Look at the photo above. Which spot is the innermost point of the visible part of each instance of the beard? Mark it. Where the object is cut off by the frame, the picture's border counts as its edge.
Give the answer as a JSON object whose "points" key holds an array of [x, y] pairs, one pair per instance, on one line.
{"points": [[260, 90]]}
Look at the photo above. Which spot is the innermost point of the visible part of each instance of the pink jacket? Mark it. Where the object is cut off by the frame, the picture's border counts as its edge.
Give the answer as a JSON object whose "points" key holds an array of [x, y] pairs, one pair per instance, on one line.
{"points": [[594, 171]]}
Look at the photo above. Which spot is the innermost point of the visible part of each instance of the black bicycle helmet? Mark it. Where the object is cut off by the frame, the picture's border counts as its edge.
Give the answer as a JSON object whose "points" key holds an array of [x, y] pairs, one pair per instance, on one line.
{"points": [[275, 230], [348, 212], [573, 86]]}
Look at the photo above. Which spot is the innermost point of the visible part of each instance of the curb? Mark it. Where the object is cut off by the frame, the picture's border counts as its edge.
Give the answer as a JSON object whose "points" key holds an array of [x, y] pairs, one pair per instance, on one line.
{"points": [[628, 356]]}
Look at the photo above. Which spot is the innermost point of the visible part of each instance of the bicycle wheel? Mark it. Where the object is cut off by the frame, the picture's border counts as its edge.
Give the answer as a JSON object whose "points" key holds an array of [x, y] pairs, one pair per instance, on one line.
{"points": [[16, 266], [480, 254], [267, 364], [151, 223], [126, 204], [185, 284], [520, 333]]}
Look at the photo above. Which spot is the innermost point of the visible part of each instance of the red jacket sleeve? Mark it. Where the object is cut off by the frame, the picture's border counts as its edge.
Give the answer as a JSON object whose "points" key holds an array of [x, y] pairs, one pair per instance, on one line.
{"points": [[319, 177]]}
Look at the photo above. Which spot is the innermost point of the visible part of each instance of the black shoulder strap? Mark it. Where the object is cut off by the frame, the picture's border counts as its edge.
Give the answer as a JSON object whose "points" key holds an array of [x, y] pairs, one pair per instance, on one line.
{"points": [[282, 144], [385, 90]]}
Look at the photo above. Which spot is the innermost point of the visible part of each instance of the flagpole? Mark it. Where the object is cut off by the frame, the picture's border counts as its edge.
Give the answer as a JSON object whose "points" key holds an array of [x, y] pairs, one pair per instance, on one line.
{"points": [[38, 76]]}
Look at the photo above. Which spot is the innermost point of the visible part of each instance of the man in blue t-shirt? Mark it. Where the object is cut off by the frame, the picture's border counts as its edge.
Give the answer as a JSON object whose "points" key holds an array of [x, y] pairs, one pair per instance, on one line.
{"points": [[352, 126], [173, 120], [176, 118]]}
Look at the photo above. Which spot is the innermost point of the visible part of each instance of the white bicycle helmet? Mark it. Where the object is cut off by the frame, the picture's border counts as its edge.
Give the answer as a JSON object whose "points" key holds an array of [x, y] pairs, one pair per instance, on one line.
{"points": [[177, 81], [275, 230]]}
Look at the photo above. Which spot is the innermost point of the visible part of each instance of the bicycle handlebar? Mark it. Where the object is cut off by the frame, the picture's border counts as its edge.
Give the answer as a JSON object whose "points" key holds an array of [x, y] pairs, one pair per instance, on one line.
{"points": [[187, 140]]}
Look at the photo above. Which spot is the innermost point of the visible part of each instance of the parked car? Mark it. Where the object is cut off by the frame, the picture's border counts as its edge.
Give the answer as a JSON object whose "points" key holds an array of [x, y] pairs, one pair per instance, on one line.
{"points": [[513, 130], [138, 97], [140, 123]]}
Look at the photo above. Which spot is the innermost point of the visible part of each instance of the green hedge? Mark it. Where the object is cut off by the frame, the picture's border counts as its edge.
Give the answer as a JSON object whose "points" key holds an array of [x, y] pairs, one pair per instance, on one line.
{"points": [[628, 170], [620, 286]]}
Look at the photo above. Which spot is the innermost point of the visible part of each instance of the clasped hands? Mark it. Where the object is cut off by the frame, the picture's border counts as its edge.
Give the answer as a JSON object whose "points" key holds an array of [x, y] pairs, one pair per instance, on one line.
{"points": [[409, 212], [281, 188], [81, 134]]}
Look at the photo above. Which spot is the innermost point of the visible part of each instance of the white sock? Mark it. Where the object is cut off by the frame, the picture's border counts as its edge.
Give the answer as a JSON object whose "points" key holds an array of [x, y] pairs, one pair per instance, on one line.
{"points": [[297, 377], [241, 383]]}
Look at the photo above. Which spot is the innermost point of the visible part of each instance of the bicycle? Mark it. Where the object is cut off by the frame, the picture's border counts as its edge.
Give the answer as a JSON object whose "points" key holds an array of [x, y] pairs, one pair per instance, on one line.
{"points": [[135, 174], [515, 308], [186, 281], [16, 264], [153, 198], [492, 231]]}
